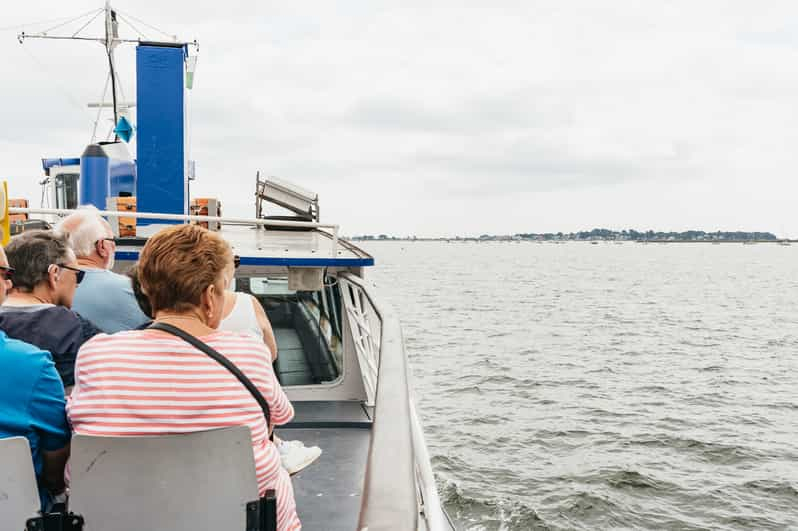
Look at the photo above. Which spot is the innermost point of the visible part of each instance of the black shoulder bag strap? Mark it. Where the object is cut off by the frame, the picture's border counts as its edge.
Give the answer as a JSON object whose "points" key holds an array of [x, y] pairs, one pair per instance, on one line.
{"points": [[219, 358]]}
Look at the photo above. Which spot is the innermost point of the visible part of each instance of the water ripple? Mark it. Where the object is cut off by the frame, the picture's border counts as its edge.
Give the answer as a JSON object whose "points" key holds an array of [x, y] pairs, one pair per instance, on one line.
{"points": [[604, 387]]}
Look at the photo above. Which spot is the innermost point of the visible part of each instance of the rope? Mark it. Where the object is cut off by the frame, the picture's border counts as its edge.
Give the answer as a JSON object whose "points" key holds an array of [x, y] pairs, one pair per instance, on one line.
{"points": [[112, 70], [100, 108], [48, 21], [119, 84], [58, 85], [148, 25], [71, 20], [134, 28], [121, 89], [83, 27]]}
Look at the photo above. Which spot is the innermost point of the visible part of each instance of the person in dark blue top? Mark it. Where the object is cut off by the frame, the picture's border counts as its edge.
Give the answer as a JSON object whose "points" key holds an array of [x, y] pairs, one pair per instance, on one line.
{"points": [[38, 310], [32, 403]]}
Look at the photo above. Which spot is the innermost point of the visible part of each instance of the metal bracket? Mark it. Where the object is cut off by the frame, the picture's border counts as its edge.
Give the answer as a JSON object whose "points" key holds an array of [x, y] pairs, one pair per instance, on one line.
{"points": [[55, 522], [262, 514]]}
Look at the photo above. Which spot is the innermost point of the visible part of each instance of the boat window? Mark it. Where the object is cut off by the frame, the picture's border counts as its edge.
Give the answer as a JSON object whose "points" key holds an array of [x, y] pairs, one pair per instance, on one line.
{"points": [[66, 190], [269, 286], [307, 327]]}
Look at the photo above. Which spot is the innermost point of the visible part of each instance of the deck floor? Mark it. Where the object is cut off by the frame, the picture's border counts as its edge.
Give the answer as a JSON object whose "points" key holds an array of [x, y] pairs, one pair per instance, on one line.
{"points": [[328, 492]]}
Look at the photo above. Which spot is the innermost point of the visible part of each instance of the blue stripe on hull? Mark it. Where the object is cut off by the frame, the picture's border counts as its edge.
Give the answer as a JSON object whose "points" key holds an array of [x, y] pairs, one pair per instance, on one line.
{"points": [[132, 256]]}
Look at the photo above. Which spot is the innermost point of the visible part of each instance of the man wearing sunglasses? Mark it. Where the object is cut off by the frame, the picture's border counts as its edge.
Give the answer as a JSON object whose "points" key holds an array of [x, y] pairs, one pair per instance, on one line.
{"points": [[37, 311], [32, 402], [105, 298]]}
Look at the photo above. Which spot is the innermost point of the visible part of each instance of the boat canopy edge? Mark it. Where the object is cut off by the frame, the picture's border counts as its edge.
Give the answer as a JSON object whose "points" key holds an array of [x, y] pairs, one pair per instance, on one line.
{"points": [[275, 261]]}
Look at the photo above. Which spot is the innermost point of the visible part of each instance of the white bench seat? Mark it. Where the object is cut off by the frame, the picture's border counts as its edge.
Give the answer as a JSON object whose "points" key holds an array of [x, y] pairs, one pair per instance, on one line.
{"points": [[186, 482]]}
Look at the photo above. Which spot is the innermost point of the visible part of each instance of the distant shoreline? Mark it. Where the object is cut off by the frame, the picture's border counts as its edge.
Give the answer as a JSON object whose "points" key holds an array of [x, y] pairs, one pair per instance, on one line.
{"points": [[605, 235], [526, 240]]}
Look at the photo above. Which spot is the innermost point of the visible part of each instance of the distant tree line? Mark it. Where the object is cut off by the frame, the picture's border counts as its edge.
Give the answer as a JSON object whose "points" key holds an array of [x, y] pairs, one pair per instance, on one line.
{"points": [[599, 234], [634, 235], [368, 237]]}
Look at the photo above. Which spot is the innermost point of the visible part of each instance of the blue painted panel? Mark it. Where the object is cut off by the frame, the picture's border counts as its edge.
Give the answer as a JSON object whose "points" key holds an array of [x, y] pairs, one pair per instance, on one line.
{"points": [[93, 181], [160, 108], [294, 262], [306, 262], [122, 177]]}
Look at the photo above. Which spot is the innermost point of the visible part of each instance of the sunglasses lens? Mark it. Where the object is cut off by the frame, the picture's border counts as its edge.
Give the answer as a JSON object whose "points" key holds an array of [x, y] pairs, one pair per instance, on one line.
{"points": [[8, 274], [236, 261], [79, 276]]}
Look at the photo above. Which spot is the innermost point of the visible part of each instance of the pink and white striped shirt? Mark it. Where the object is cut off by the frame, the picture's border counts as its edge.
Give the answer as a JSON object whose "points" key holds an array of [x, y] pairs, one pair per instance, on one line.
{"points": [[144, 382]]}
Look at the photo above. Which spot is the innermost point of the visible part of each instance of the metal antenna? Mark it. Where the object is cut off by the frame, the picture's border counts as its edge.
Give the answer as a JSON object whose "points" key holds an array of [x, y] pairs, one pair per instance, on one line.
{"points": [[111, 36], [110, 41]]}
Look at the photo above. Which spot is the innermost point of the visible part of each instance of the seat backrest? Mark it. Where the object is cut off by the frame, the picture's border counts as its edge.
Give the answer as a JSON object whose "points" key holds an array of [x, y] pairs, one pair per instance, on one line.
{"points": [[19, 496], [200, 480]]}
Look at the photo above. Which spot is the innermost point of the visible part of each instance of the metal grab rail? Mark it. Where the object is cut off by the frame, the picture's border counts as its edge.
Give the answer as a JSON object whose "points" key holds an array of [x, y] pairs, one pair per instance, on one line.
{"points": [[398, 454], [189, 217], [366, 330], [436, 519]]}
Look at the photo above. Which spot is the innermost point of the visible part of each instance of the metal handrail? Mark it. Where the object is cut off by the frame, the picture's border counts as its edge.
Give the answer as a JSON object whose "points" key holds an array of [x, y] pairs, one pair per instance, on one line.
{"points": [[387, 500], [364, 336], [190, 217], [436, 519], [389, 487]]}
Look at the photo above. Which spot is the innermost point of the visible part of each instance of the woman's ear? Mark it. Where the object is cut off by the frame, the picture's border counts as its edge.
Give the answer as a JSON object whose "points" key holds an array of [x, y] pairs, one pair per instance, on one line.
{"points": [[209, 301], [206, 300]]}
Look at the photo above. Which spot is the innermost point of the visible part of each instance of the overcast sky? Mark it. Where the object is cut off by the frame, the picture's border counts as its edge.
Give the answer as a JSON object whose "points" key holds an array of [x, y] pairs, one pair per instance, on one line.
{"points": [[460, 118]]}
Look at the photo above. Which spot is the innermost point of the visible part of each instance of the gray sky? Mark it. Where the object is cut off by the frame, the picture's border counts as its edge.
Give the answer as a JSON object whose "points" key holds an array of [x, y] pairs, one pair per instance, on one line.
{"points": [[460, 118]]}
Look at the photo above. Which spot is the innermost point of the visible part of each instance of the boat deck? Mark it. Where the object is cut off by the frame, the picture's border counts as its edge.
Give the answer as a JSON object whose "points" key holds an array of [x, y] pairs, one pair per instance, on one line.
{"points": [[271, 247], [329, 492]]}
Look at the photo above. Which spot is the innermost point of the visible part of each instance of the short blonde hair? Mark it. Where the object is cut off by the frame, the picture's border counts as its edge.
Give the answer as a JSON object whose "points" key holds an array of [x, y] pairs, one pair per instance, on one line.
{"points": [[179, 263]]}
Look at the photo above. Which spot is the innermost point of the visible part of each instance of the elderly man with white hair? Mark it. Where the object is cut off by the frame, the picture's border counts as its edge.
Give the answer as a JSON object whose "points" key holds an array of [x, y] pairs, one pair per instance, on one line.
{"points": [[104, 297]]}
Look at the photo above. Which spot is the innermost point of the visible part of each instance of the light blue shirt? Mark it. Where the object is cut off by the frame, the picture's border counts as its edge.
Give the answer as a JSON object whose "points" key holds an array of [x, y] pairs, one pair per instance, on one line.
{"points": [[106, 299]]}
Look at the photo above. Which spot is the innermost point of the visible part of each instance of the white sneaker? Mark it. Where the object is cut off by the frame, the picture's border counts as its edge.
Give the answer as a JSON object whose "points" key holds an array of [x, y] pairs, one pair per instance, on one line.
{"points": [[295, 456], [285, 446]]}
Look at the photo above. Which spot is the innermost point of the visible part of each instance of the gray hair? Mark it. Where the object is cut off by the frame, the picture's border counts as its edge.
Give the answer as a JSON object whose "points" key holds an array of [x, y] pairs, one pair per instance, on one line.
{"points": [[84, 226], [31, 254]]}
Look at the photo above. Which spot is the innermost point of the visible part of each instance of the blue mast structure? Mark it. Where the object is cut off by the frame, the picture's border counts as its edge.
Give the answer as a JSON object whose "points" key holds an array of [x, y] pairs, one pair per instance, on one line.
{"points": [[158, 175], [162, 185]]}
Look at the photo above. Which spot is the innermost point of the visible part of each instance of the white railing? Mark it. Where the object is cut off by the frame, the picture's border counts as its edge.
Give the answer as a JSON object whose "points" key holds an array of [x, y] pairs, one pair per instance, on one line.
{"points": [[366, 329], [433, 511], [394, 413], [189, 217]]}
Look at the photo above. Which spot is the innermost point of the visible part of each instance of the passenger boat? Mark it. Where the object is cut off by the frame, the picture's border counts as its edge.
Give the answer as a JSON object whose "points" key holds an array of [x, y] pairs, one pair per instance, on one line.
{"points": [[341, 357]]}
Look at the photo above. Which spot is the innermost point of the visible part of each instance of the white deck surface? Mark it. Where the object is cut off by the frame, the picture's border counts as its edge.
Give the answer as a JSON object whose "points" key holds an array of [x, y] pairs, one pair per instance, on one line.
{"points": [[313, 245]]}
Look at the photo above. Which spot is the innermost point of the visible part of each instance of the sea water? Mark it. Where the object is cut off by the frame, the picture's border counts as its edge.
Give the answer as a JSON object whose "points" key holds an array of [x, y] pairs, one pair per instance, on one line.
{"points": [[605, 386]]}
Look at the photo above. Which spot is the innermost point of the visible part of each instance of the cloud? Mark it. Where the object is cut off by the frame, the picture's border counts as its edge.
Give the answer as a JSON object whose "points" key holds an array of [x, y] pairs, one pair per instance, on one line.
{"points": [[409, 117]]}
